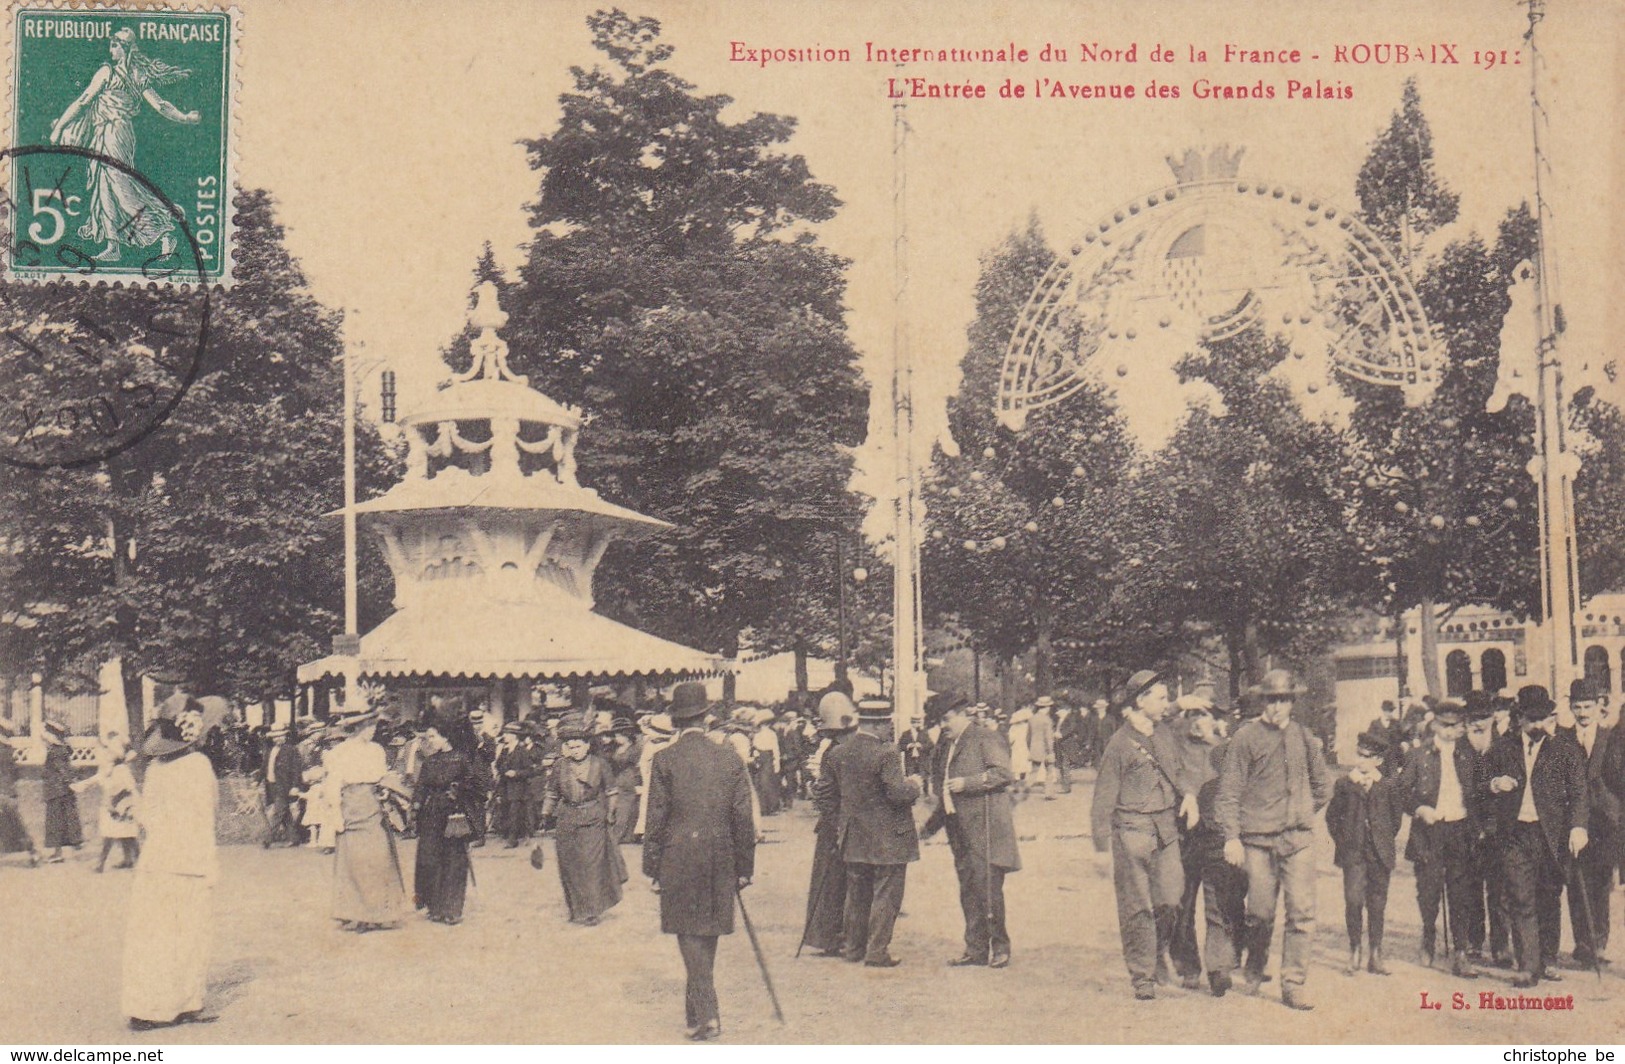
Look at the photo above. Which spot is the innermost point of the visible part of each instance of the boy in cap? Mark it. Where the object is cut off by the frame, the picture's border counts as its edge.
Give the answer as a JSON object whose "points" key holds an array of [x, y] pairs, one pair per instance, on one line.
{"points": [[1363, 818], [1535, 784]]}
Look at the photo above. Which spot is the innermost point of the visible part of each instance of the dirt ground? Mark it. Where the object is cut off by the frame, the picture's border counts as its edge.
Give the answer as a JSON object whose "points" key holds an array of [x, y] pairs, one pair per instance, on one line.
{"points": [[516, 972]]}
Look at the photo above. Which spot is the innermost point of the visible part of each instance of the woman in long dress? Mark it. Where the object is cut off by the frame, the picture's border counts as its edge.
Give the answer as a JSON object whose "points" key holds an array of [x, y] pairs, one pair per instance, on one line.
{"points": [[14, 835], [102, 119], [62, 824], [368, 891], [581, 791], [116, 821], [166, 940], [450, 803]]}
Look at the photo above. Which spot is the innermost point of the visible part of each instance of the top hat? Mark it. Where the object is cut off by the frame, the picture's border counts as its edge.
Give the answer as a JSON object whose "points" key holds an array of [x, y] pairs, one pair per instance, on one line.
{"points": [[1279, 683], [688, 702], [1583, 690], [1534, 703]]}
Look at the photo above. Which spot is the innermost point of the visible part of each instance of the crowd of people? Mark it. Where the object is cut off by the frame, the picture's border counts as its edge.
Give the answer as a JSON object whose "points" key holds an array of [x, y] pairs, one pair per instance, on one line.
{"points": [[1515, 804], [1511, 809]]}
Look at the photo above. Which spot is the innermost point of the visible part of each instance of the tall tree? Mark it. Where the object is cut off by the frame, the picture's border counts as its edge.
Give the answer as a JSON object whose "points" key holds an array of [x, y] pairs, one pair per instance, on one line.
{"points": [[1443, 504], [202, 552], [675, 289], [1022, 524]]}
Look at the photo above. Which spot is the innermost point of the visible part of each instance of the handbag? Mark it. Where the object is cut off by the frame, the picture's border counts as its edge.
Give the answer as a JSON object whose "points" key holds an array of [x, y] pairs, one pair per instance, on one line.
{"points": [[538, 857], [458, 826]]}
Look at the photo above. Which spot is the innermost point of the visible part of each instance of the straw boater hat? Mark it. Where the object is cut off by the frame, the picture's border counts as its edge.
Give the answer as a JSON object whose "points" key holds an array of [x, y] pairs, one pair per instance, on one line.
{"points": [[874, 710], [657, 726], [1045, 702], [1139, 684], [55, 731], [688, 703]]}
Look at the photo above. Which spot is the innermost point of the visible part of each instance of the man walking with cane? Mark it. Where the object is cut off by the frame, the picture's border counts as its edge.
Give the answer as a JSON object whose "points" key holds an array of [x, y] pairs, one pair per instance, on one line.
{"points": [[699, 848], [1273, 782], [972, 774]]}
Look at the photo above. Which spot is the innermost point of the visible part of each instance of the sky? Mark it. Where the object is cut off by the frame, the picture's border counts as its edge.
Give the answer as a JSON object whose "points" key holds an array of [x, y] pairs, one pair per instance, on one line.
{"points": [[388, 131]]}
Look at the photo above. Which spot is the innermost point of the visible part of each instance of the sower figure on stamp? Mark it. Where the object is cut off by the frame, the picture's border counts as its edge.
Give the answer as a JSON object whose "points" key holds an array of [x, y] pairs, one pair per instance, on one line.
{"points": [[1201, 851], [1488, 885], [1437, 783], [972, 777], [876, 831], [1136, 806], [1591, 879], [102, 119], [826, 897], [1535, 783], [1363, 820], [699, 848], [1273, 783]]}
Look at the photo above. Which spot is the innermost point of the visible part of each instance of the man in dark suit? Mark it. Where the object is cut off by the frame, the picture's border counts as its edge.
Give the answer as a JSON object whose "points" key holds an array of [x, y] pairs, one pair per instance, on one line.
{"points": [[1534, 782], [1437, 783], [864, 777], [1591, 877], [1136, 808], [1488, 882], [282, 772], [516, 764], [699, 848], [1387, 728], [972, 776]]}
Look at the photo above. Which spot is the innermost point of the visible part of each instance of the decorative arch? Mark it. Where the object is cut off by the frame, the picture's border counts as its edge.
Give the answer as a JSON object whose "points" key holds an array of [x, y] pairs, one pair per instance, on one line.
{"points": [[1204, 260]]}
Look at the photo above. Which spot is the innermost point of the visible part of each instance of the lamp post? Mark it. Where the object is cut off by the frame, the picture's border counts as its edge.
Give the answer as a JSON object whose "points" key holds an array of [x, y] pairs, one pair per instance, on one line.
{"points": [[349, 644]]}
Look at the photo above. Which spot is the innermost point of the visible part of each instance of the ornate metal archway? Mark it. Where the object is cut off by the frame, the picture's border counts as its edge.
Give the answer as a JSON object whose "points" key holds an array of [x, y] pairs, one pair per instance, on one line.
{"points": [[1205, 259]]}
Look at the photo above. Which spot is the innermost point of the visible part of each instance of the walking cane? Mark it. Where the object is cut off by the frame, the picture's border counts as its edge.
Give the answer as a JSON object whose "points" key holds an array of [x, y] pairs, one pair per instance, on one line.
{"points": [[987, 869], [1591, 923], [761, 961], [1444, 900]]}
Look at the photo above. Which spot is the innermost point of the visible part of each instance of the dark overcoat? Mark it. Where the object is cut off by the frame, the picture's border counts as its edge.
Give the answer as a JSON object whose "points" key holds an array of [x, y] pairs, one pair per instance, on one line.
{"points": [[1362, 822], [876, 820], [982, 824], [1562, 797], [1419, 785], [699, 837]]}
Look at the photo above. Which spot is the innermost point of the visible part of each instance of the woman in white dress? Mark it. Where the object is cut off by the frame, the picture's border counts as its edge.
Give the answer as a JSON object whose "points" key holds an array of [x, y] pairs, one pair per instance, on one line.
{"points": [[167, 937], [369, 893]]}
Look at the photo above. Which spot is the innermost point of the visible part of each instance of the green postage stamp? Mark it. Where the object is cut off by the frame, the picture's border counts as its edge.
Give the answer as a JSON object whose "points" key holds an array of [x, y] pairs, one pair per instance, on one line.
{"points": [[119, 162]]}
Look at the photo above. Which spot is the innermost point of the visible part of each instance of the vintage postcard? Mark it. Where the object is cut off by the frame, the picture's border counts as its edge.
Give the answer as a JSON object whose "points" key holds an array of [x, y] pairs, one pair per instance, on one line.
{"points": [[562, 522]]}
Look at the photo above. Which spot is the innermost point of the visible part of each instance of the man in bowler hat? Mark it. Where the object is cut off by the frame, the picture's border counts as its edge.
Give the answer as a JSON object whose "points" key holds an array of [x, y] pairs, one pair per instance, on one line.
{"points": [[875, 830], [1534, 781], [699, 848], [1604, 759], [972, 776]]}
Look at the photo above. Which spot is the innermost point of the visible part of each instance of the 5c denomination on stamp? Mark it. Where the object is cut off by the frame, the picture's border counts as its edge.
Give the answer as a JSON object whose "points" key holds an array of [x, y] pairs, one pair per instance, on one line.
{"points": [[144, 92]]}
